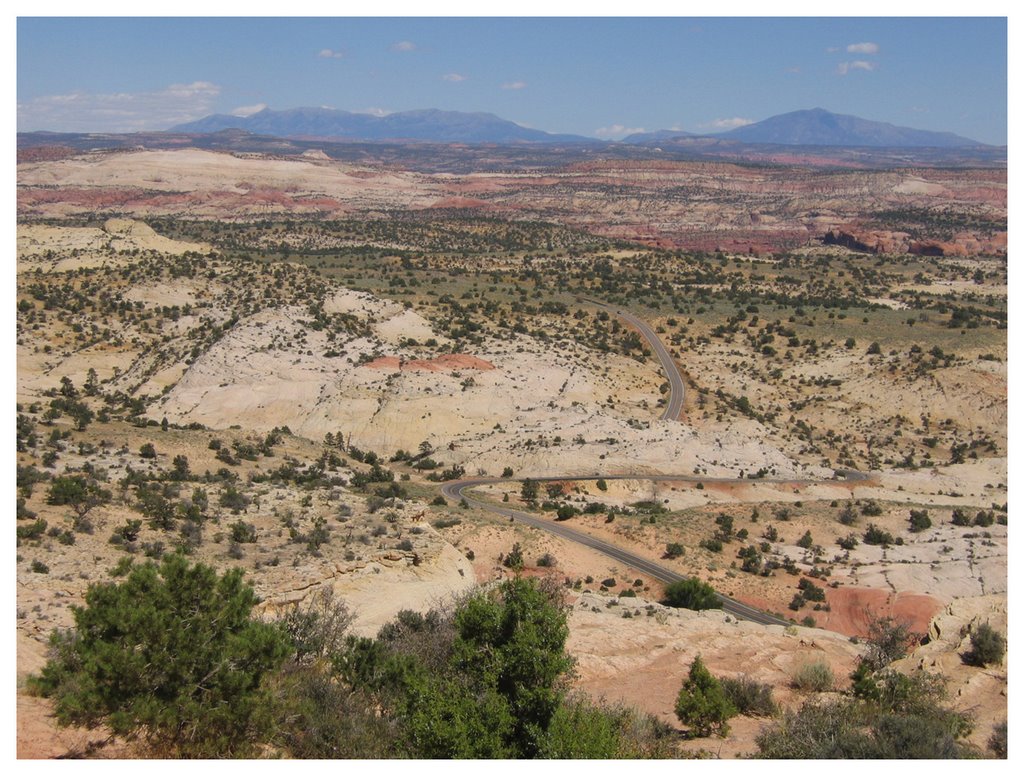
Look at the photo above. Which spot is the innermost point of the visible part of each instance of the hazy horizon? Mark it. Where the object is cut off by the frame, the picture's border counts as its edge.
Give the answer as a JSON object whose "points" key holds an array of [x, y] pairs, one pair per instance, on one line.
{"points": [[598, 77]]}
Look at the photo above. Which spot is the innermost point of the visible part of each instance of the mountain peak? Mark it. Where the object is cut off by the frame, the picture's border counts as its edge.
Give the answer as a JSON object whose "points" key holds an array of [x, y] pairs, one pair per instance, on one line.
{"points": [[426, 125], [818, 126]]}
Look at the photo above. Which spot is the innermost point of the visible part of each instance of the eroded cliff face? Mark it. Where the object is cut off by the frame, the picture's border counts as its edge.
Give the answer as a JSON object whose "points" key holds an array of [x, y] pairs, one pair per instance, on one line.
{"points": [[704, 206]]}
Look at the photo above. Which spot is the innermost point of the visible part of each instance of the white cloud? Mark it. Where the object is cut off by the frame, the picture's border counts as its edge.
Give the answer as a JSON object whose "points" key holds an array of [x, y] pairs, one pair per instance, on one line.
{"points": [[248, 110], [120, 111], [727, 123], [330, 54], [403, 45], [859, 64], [453, 77], [616, 131], [378, 112], [862, 48], [832, 49], [514, 85]]}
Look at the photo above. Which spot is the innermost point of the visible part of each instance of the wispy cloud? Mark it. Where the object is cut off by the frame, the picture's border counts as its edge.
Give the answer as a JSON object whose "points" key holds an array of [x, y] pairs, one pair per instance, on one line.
{"points": [[862, 48], [403, 45], [727, 123], [378, 112], [858, 64], [120, 111], [248, 110], [453, 77], [331, 54], [616, 131], [514, 85]]}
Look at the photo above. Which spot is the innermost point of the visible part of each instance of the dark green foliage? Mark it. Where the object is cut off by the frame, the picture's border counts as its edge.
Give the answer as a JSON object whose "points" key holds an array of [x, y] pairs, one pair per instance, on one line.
{"points": [[243, 533], [31, 531], [811, 591], [875, 535], [674, 550], [692, 594], [848, 515], [172, 654], [871, 508], [530, 489], [847, 542], [484, 682], [919, 520], [960, 517], [752, 559], [156, 505], [702, 704], [714, 544], [147, 450], [232, 499], [180, 472], [582, 729], [805, 541], [566, 511], [514, 559], [513, 639], [749, 697], [78, 492], [984, 519], [987, 646]]}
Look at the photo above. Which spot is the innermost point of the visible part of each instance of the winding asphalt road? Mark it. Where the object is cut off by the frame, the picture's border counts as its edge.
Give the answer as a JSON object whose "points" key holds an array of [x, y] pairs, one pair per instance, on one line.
{"points": [[457, 490], [677, 388]]}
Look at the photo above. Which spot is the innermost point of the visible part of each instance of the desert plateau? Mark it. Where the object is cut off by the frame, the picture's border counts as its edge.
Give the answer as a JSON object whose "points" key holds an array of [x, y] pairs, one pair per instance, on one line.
{"points": [[458, 447]]}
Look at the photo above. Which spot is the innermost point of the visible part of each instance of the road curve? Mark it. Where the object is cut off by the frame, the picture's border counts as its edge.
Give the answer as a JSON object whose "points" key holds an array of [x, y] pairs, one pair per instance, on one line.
{"points": [[457, 491], [677, 388]]}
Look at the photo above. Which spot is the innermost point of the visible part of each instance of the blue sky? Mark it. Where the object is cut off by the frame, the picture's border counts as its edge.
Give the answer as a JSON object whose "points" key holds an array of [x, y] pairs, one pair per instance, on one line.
{"points": [[600, 77]]}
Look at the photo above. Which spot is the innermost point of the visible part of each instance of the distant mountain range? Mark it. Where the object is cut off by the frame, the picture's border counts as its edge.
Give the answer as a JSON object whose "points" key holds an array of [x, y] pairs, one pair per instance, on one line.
{"points": [[815, 127], [433, 126], [819, 127]]}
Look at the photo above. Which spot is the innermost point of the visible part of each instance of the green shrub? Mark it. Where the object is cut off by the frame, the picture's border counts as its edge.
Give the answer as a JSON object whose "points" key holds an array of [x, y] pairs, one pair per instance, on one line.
{"points": [[171, 654], [875, 535], [692, 594], [514, 559], [702, 704], [919, 520], [243, 533], [988, 646], [674, 550]]}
